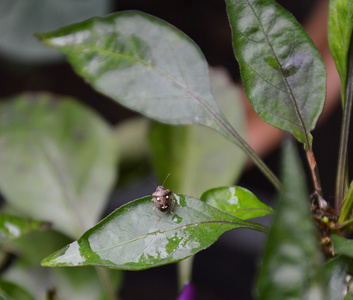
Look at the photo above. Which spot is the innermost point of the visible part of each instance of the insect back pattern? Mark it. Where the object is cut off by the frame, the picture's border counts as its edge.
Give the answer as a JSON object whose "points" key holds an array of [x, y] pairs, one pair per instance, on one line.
{"points": [[163, 199]]}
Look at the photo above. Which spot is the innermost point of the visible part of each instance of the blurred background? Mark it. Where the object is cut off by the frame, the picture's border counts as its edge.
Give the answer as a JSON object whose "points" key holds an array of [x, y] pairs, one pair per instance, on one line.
{"points": [[227, 267]]}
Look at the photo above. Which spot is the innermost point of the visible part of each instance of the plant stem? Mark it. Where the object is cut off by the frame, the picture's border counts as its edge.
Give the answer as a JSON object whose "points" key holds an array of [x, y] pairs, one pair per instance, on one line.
{"points": [[315, 176], [341, 181], [106, 280], [228, 131], [346, 209], [314, 170], [184, 272]]}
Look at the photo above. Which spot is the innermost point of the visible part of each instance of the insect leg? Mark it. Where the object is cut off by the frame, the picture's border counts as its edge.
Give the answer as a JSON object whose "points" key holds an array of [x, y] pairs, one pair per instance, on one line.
{"points": [[159, 218], [171, 209]]}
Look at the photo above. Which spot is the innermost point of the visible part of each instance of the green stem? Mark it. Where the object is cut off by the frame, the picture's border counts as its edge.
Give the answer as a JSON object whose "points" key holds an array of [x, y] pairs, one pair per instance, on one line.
{"points": [[344, 224], [184, 272], [228, 131], [346, 210], [107, 283], [342, 179]]}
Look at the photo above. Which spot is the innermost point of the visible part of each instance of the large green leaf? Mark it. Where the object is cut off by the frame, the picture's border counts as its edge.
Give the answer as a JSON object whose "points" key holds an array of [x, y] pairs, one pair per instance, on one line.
{"points": [[338, 268], [134, 151], [340, 28], [237, 201], [196, 157], [291, 263], [34, 246], [143, 63], [22, 18], [149, 66], [133, 237], [11, 291], [58, 161], [342, 246], [14, 227], [69, 283], [282, 71]]}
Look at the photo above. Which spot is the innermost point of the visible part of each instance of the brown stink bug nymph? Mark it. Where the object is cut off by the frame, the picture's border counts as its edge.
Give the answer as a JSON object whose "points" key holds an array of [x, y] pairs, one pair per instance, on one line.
{"points": [[163, 199]]}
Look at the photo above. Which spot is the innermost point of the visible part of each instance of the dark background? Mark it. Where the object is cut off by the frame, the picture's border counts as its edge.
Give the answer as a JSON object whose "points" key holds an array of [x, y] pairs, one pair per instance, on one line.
{"points": [[226, 270]]}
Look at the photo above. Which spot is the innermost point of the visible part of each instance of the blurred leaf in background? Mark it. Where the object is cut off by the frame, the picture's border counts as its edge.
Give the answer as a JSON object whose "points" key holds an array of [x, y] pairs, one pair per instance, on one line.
{"points": [[199, 158], [20, 19], [58, 161]]}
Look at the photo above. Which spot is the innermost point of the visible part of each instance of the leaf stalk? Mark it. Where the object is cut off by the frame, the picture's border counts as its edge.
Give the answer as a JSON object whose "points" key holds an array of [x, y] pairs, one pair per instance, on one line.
{"points": [[342, 178], [228, 131]]}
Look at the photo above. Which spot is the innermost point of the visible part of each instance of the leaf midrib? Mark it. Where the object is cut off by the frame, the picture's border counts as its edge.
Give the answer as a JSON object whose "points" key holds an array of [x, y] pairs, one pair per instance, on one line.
{"points": [[289, 89], [197, 224]]}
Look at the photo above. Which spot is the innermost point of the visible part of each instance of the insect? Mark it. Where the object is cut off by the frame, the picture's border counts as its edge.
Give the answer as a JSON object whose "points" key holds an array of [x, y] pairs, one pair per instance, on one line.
{"points": [[163, 199]]}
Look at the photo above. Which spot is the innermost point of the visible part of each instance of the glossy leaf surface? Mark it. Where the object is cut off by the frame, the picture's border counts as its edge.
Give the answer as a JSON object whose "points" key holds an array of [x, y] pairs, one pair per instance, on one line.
{"points": [[14, 227], [282, 71], [141, 62], [149, 66], [58, 161], [340, 29], [236, 201], [291, 263], [133, 237], [196, 157], [338, 268]]}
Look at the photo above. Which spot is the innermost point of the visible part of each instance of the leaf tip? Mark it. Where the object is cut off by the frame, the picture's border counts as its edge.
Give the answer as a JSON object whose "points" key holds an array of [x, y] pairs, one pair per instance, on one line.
{"points": [[67, 256]]}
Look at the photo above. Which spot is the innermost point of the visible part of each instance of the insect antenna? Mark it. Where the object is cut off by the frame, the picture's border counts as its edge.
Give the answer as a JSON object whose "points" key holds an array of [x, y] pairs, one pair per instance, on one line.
{"points": [[165, 179], [152, 181], [162, 183]]}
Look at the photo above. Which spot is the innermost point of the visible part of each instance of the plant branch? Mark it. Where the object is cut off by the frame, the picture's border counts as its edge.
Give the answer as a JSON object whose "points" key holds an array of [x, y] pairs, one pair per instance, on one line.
{"points": [[342, 179], [314, 170], [315, 176]]}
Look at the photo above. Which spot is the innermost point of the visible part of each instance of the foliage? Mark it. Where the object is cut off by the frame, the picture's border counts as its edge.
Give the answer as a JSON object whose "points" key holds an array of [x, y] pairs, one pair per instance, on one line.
{"points": [[59, 159]]}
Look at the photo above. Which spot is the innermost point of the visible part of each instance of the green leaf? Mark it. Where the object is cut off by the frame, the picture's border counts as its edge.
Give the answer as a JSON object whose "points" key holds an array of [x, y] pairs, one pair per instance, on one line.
{"points": [[124, 57], [196, 157], [132, 137], [291, 266], [340, 28], [236, 201], [12, 227], [342, 245], [22, 18], [58, 161], [338, 268], [282, 71], [134, 156], [149, 66], [32, 247], [68, 283], [133, 237], [11, 291]]}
